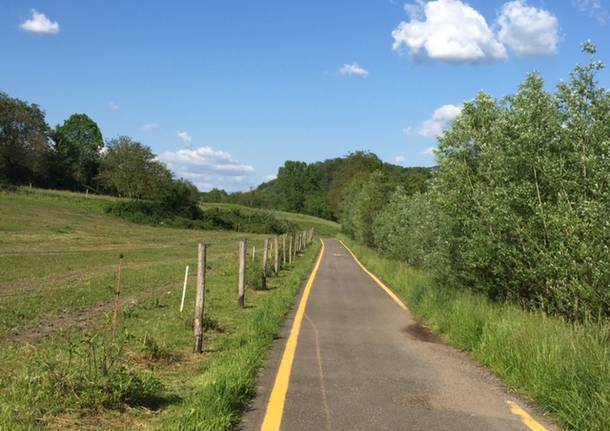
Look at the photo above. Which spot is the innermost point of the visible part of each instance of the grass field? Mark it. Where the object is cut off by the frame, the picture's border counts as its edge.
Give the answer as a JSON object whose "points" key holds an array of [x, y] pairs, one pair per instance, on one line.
{"points": [[563, 367], [58, 366]]}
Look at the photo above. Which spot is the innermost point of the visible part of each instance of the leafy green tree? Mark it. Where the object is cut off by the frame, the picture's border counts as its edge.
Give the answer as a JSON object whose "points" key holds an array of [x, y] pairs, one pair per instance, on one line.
{"points": [[77, 145], [24, 147], [130, 169]]}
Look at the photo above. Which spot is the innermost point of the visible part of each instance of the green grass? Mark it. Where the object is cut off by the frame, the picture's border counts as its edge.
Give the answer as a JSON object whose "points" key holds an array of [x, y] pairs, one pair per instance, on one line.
{"points": [[563, 367], [58, 254]]}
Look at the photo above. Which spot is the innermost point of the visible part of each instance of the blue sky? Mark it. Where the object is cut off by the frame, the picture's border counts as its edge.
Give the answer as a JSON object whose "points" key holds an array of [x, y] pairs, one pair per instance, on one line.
{"points": [[226, 91]]}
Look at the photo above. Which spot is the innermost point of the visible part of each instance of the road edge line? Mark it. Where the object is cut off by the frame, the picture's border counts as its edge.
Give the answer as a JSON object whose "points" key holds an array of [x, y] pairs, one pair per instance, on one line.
{"points": [[275, 405], [514, 408], [389, 291]]}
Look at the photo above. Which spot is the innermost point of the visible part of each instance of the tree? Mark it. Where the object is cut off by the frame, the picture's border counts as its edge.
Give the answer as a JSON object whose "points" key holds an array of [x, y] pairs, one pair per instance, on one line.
{"points": [[24, 137], [130, 169], [77, 145]]}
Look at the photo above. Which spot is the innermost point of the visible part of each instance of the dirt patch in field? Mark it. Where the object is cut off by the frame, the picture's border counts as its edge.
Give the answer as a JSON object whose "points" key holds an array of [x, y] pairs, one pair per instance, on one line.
{"points": [[78, 320]]}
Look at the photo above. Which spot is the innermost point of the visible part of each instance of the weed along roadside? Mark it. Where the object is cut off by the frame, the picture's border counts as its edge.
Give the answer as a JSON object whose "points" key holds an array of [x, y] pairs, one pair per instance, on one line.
{"points": [[98, 327], [564, 367]]}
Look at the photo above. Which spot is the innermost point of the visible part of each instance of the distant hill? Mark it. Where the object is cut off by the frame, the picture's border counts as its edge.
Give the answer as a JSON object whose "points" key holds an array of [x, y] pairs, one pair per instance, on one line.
{"points": [[317, 188]]}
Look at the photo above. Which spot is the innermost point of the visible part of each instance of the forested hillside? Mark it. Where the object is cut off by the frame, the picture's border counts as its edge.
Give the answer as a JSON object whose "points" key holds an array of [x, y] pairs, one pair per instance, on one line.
{"points": [[319, 188]]}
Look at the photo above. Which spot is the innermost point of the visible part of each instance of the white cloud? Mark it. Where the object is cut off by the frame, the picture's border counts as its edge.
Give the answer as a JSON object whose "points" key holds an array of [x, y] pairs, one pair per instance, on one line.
{"points": [[528, 30], [150, 127], [595, 8], [407, 131], [208, 168], [184, 137], [113, 106], [440, 121], [270, 177], [399, 160], [429, 152], [447, 30], [353, 69], [39, 23]]}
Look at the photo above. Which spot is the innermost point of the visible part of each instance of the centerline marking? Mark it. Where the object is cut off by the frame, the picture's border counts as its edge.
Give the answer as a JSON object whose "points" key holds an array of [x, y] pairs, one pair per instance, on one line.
{"points": [[277, 399]]}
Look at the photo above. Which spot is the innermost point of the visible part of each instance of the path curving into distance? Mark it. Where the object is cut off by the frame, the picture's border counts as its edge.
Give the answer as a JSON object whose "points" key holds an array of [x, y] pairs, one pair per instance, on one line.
{"points": [[352, 357]]}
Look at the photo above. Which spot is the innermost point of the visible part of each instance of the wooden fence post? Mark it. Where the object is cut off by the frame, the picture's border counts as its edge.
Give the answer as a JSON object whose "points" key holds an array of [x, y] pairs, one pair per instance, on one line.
{"points": [[265, 255], [253, 253], [200, 298], [241, 284], [290, 249], [276, 250], [284, 248], [117, 294], [186, 279]]}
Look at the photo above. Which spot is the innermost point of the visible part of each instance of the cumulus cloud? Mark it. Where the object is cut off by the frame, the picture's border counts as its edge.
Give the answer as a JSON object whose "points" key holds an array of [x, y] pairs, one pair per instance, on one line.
{"points": [[208, 168], [150, 127], [399, 160], [440, 121], [39, 23], [184, 137], [447, 30], [528, 30], [353, 69], [113, 106], [453, 31]]}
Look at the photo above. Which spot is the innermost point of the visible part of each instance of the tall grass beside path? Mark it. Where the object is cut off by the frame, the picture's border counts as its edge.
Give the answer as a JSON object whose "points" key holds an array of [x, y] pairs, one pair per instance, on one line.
{"points": [[564, 367]]}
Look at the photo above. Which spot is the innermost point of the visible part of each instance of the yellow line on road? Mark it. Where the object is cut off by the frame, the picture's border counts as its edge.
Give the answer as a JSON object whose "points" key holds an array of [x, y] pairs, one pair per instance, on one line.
{"points": [[275, 406], [527, 420], [375, 279]]}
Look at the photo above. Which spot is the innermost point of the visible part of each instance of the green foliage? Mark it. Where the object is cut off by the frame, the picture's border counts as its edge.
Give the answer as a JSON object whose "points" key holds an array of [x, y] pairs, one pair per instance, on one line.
{"points": [[130, 169], [192, 217], [77, 145], [24, 147], [318, 189], [408, 227], [518, 205]]}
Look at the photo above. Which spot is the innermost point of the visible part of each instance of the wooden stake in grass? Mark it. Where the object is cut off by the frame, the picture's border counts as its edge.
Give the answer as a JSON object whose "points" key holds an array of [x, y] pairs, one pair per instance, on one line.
{"points": [[276, 263], [265, 255], [186, 279], [200, 298], [290, 249], [253, 253], [117, 294], [241, 283], [284, 248]]}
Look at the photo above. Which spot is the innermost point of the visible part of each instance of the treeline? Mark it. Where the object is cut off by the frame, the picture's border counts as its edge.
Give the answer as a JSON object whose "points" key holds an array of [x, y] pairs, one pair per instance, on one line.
{"points": [[518, 207], [318, 188], [73, 156]]}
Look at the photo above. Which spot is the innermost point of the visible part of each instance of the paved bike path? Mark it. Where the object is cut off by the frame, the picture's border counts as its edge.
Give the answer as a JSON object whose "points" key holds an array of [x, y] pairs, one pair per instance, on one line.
{"points": [[363, 363]]}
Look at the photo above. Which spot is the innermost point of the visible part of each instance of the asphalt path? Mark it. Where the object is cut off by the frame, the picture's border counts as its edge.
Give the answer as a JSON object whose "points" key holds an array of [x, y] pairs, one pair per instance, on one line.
{"points": [[352, 357]]}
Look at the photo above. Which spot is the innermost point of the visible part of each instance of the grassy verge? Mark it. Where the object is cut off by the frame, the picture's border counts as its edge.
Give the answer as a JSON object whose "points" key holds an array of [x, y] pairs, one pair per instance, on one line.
{"points": [[59, 368], [218, 395], [563, 367]]}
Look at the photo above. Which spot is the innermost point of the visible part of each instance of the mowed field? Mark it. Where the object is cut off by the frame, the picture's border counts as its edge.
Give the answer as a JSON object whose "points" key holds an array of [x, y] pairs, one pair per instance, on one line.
{"points": [[58, 365]]}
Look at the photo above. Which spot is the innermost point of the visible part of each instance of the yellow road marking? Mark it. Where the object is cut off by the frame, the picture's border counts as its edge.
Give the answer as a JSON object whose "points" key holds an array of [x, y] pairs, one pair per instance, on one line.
{"points": [[275, 406], [527, 420], [375, 279]]}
